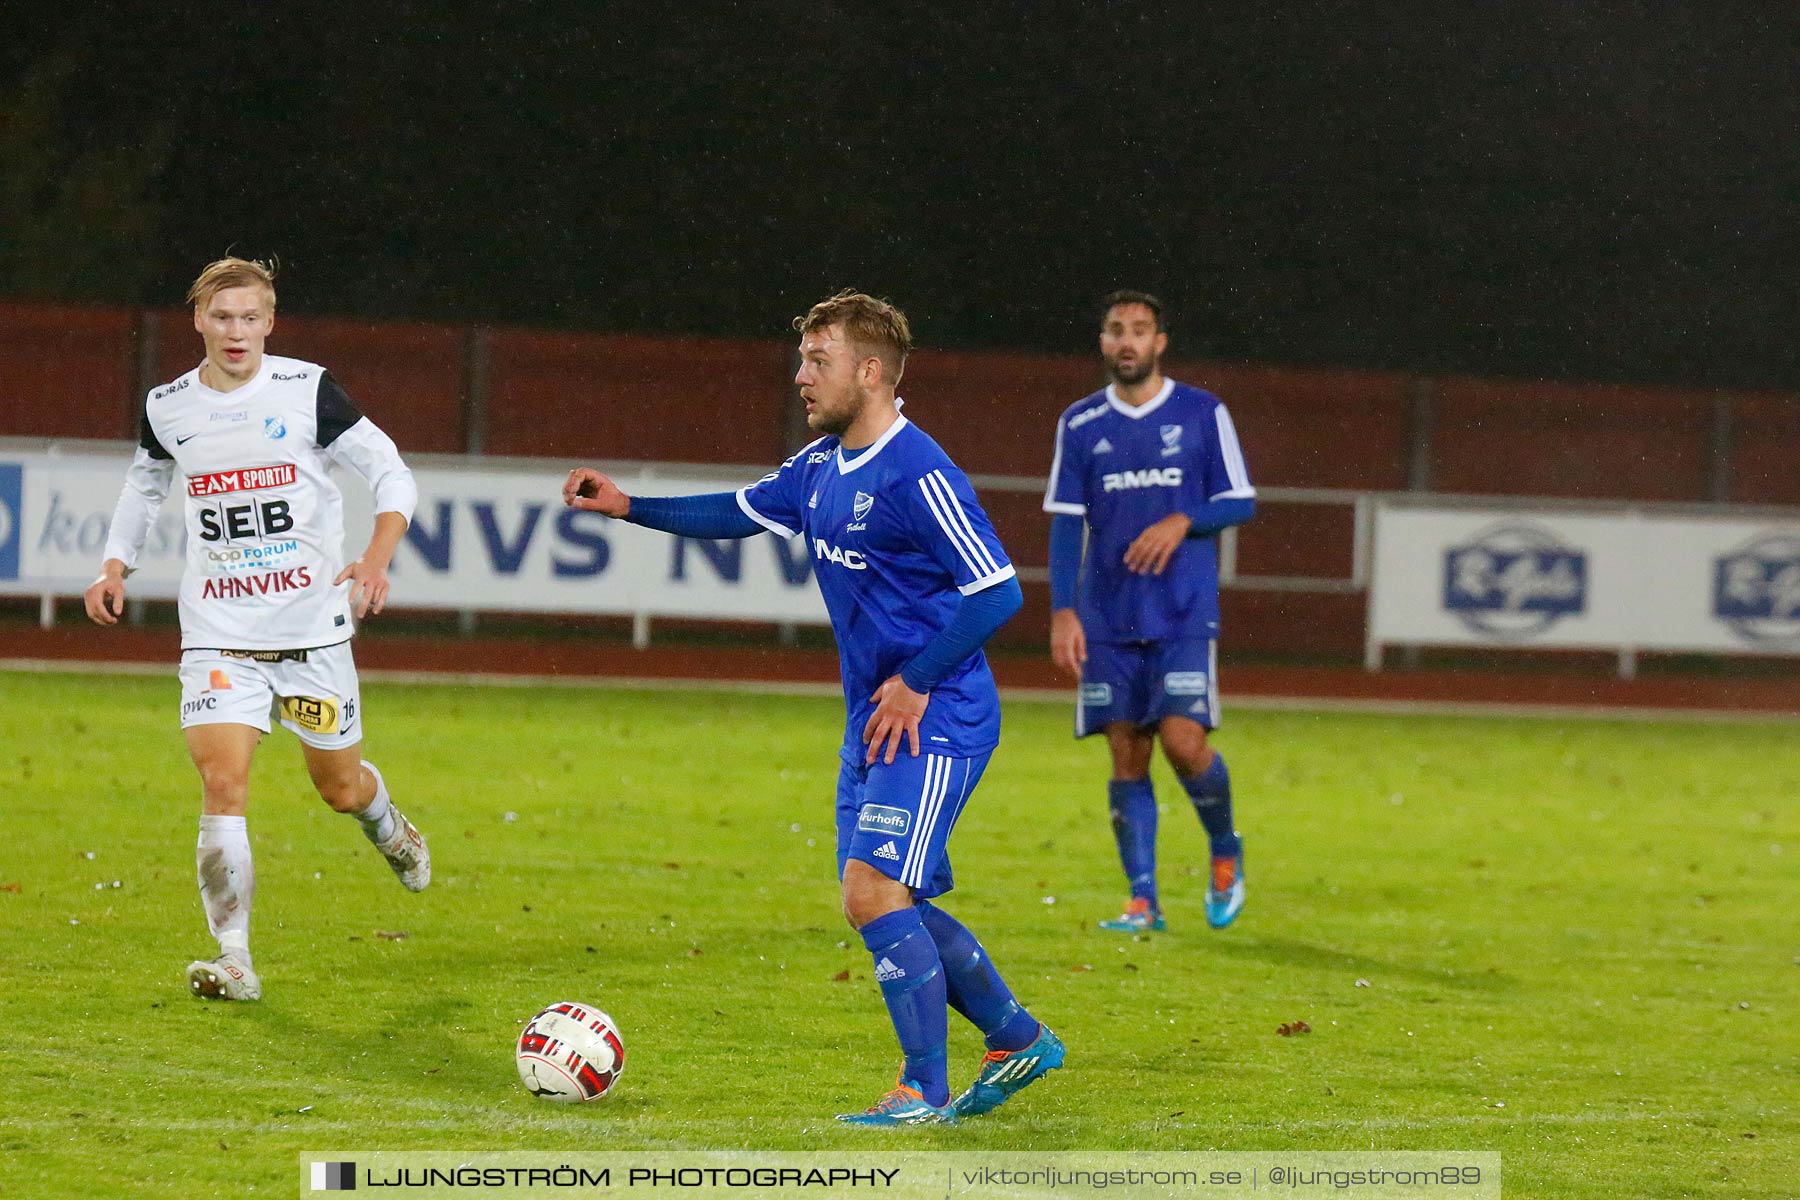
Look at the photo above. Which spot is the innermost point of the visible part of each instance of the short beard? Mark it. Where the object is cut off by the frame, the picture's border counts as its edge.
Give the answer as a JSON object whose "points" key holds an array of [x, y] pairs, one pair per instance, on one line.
{"points": [[834, 425], [1143, 370]]}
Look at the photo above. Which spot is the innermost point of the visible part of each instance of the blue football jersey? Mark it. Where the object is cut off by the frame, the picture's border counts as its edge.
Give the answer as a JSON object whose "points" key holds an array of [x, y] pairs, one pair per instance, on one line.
{"points": [[896, 538], [1126, 468]]}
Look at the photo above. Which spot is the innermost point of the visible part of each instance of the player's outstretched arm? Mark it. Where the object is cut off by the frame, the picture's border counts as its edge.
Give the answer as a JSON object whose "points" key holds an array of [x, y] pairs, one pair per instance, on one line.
{"points": [[710, 515]]}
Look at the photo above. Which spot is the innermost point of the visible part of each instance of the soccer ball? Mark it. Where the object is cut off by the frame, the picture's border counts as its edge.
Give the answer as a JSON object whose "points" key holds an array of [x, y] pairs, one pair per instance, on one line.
{"points": [[570, 1052]]}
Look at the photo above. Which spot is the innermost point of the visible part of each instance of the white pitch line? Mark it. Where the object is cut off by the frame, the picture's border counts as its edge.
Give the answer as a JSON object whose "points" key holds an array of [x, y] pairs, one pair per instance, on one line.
{"points": [[554, 1122], [1484, 708], [1298, 704]]}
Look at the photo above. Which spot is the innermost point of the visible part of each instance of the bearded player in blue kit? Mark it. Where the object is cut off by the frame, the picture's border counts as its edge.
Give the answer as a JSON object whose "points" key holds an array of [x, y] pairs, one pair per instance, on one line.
{"points": [[1147, 471], [915, 582]]}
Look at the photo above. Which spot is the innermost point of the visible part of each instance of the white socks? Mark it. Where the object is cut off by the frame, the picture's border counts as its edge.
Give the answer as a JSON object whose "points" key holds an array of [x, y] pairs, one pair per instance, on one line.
{"points": [[379, 821], [227, 881]]}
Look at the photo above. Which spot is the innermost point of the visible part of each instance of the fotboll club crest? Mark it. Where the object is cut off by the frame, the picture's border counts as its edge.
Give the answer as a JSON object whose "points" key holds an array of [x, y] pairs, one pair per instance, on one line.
{"points": [[274, 428], [860, 509], [1171, 439]]}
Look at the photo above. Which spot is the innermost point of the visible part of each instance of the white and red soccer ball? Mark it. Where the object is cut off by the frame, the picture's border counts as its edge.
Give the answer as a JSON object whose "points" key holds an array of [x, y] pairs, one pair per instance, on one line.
{"points": [[570, 1052]]}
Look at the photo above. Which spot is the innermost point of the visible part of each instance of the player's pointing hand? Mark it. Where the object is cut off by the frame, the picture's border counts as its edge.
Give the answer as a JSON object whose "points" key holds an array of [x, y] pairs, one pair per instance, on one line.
{"points": [[588, 489]]}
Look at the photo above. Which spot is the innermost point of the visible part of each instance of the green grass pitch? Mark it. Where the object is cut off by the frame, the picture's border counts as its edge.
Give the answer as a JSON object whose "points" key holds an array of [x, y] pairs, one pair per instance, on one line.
{"points": [[1571, 942]]}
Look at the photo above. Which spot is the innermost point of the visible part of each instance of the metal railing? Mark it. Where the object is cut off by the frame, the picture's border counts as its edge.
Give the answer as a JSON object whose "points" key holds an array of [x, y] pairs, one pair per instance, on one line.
{"points": [[1362, 505]]}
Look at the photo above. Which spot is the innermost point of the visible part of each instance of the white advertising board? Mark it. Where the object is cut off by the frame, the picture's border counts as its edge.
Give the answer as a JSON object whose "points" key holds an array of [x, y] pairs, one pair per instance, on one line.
{"points": [[481, 539], [1619, 580]]}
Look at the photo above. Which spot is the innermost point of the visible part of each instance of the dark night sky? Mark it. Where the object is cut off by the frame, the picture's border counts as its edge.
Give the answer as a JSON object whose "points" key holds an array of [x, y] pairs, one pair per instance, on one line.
{"points": [[1573, 190]]}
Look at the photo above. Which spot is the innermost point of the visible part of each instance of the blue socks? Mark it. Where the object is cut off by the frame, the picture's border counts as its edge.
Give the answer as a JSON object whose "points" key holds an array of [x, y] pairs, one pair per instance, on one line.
{"points": [[1133, 804], [927, 962], [912, 982], [1211, 793], [973, 987]]}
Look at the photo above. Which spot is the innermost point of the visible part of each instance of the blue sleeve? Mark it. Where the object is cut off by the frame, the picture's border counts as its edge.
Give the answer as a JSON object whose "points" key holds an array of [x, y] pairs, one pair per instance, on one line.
{"points": [[1067, 534], [977, 617], [1208, 519], [713, 515], [777, 500]]}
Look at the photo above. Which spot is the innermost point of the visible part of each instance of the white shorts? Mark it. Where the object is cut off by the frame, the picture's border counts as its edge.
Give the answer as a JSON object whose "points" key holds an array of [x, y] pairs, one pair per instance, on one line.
{"points": [[319, 699]]}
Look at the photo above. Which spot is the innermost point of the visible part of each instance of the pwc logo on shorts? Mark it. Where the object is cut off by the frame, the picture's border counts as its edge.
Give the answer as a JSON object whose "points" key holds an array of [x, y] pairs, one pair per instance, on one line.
{"points": [[1514, 580], [879, 818], [12, 490], [1756, 589]]}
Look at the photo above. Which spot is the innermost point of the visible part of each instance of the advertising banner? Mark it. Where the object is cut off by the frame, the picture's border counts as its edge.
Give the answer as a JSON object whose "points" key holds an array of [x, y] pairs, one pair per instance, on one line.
{"points": [[481, 539], [1567, 578]]}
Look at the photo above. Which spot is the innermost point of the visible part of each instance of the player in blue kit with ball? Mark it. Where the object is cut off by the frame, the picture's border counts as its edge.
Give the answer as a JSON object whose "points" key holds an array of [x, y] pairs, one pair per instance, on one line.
{"points": [[1147, 471], [915, 582]]}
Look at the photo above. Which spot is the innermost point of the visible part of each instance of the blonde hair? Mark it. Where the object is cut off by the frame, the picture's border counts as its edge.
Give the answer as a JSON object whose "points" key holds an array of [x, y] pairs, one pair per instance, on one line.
{"points": [[874, 327], [230, 272]]}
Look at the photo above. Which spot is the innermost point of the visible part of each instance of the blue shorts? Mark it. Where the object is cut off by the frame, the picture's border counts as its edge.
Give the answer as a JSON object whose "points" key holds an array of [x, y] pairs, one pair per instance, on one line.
{"points": [[898, 818], [1143, 682]]}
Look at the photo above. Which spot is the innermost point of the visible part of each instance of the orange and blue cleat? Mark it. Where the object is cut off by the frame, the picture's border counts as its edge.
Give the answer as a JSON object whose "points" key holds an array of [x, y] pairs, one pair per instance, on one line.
{"points": [[905, 1105], [1138, 917], [1004, 1073], [1225, 898]]}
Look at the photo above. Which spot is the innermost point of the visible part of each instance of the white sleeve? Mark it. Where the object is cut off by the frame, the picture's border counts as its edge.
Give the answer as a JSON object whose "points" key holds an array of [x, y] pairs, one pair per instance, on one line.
{"points": [[1065, 496], [372, 454], [147, 485]]}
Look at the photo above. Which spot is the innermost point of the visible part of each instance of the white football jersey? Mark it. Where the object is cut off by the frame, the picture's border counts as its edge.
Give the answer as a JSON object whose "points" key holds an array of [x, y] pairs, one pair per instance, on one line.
{"points": [[264, 521]]}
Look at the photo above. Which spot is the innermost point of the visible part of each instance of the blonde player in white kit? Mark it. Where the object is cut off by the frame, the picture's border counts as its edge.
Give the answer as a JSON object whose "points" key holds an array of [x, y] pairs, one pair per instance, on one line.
{"points": [[266, 599]]}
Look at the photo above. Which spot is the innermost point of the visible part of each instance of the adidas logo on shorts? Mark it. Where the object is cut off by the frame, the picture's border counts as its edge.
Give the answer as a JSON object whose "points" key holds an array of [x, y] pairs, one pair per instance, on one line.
{"points": [[886, 970], [888, 850]]}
